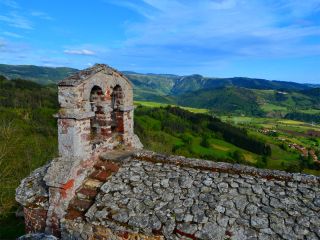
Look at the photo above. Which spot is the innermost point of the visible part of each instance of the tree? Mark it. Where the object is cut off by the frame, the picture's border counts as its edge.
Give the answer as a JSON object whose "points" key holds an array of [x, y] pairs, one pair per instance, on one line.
{"points": [[262, 162], [205, 141], [187, 138], [238, 156]]}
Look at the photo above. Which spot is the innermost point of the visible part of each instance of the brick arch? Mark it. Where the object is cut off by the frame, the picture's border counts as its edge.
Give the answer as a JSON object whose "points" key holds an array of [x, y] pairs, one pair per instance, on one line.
{"points": [[98, 123], [117, 104], [126, 88], [107, 83], [89, 85]]}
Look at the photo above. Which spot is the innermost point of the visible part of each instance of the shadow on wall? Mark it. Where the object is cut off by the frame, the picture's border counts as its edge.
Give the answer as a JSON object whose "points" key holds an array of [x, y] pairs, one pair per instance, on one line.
{"points": [[105, 109]]}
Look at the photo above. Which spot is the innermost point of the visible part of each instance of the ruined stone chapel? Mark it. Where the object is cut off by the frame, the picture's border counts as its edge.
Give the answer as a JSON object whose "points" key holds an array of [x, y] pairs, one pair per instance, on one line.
{"points": [[103, 185]]}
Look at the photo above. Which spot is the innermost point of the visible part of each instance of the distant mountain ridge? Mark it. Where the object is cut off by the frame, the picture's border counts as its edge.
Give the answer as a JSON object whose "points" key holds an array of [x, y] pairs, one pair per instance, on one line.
{"points": [[198, 82], [236, 95], [164, 83]]}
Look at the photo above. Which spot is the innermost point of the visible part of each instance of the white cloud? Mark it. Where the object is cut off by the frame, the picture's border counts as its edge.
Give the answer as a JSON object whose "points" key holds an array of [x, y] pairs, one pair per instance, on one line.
{"points": [[10, 3], [41, 15], [142, 7], [299, 8], [12, 34], [16, 20], [80, 52], [223, 27], [2, 44]]}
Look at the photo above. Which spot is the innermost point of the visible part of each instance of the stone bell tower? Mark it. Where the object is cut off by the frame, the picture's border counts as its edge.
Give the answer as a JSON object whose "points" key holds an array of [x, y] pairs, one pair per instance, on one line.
{"points": [[96, 110], [96, 115]]}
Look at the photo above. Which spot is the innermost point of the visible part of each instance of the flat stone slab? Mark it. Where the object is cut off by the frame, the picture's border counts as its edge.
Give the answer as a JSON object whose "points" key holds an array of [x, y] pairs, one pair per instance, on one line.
{"points": [[92, 183], [118, 155]]}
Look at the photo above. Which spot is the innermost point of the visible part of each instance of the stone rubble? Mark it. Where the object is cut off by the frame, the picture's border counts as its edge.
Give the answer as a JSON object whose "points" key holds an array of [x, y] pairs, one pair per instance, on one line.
{"points": [[33, 190]]}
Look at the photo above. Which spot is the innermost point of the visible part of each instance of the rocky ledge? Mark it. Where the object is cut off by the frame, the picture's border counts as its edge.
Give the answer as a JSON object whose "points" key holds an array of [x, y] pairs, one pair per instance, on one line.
{"points": [[172, 197]]}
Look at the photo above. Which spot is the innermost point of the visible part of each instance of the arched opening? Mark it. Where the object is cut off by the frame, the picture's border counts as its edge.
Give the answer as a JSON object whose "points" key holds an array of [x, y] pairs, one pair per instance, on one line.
{"points": [[117, 112], [99, 122]]}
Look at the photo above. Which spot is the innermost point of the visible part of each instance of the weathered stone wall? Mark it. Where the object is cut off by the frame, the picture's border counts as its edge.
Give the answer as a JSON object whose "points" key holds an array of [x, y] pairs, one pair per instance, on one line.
{"points": [[74, 137], [180, 198], [154, 196]]}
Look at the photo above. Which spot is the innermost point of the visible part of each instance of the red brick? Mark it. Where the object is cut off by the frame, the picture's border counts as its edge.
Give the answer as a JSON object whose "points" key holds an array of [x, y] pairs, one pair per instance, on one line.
{"points": [[81, 205], [113, 167], [66, 187], [103, 175], [105, 131], [73, 214], [94, 174], [90, 193]]}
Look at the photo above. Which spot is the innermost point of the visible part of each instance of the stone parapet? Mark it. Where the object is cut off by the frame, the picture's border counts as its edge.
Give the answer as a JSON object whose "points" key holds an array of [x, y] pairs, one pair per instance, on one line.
{"points": [[226, 167]]}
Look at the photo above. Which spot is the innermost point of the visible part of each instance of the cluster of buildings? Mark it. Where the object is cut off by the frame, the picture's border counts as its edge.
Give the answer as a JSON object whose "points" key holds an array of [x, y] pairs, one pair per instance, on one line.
{"points": [[269, 132], [301, 149], [305, 152]]}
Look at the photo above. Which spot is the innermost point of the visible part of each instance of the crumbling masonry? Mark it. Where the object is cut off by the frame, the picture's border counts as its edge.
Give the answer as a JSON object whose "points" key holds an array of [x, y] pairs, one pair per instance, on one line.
{"points": [[103, 186]]}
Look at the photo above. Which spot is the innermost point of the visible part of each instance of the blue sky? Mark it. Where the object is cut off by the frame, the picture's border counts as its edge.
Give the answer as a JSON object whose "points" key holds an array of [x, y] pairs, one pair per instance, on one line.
{"points": [[273, 39]]}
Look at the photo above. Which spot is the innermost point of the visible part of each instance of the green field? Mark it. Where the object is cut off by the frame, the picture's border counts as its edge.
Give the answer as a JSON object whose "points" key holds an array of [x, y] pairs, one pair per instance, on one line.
{"points": [[268, 107], [156, 104], [287, 132]]}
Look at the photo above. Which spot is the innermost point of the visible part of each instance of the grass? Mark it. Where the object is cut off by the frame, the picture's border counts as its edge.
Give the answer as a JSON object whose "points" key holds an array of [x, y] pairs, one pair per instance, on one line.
{"points": [[270, 122], [310, 171], [11, 227], [310, 111], [280, 157], [268, 107], [290, 122], [156, 105], [226, 148], [150, 104]]}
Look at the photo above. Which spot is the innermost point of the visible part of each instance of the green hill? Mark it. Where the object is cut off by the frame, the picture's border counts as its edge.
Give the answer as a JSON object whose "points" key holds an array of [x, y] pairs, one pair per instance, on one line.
{"points": [[152, 87], [252, 102], [43, 75], [223, 100], [198, 82]]}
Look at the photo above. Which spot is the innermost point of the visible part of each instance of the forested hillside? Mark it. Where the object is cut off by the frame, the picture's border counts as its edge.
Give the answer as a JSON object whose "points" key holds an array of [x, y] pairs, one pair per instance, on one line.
{"points": [[191, 134], [253, 102], [228, 100], [28, 140]]}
